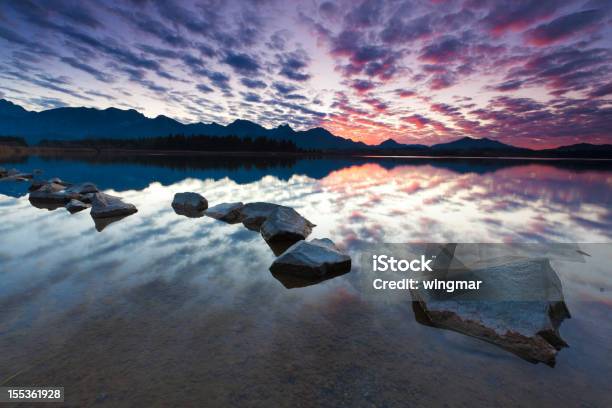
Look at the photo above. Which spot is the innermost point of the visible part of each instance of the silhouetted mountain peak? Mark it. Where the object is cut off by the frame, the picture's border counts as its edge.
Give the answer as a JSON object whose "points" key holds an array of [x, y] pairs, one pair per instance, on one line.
{"points": [[243, 127], [8, 108], [243, 122], [164, 118], [582, 147], [390, 143], [472, 144], [285, 127], [320, 131], [393, 144]]}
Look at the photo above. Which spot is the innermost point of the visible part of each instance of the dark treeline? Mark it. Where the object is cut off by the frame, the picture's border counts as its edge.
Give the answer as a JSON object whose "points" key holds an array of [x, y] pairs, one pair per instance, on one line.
{"points": [[13, 141], [181, 142], [181, 162]]}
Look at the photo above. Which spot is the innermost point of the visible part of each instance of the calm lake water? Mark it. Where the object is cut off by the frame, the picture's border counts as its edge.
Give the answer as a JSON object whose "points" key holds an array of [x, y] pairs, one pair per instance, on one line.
{"points": [[163, 310]]}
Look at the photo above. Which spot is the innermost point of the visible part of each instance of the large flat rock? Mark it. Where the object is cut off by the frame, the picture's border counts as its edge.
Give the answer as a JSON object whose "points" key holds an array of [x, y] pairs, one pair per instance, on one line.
{"points": [[314, 259]]}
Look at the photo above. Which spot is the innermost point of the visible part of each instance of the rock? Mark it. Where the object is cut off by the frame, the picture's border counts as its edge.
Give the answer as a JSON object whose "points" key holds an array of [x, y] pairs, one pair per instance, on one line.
{"points": [[15, 175], [189, 203], [107, 206], [47, 205], [83, 188], [228, 212], [52, 192], [255, 214], [315, 259], [285, 224], [86, 198], [58, 180], [74, 206], [527, 326], [70, 189], [36, 184], [3, 172], [19, 177]]}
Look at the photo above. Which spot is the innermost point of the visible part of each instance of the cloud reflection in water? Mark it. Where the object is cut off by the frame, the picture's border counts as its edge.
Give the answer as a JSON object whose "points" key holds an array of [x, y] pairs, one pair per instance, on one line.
{"points": [[170, 277]]}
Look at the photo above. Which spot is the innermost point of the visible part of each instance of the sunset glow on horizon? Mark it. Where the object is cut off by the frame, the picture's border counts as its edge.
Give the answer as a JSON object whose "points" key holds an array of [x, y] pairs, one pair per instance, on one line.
{"points": [[529, 73]]}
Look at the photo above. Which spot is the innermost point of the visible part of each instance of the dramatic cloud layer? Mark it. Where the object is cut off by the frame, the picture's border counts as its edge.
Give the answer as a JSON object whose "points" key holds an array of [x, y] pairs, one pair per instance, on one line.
{"points": [[531, 73]]}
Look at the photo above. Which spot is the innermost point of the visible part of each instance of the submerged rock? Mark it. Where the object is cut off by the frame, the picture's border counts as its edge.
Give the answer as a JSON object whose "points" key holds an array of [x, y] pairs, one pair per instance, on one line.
{"points": [[227, 212], [315, 259], [74, 206], [285, 224], [255, 214], [527, 326], [189, 203], [107, 206]]}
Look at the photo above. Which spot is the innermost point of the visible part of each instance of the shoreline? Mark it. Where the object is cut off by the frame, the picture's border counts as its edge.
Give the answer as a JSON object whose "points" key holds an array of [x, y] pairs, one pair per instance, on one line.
{"points": [[11, 151]]}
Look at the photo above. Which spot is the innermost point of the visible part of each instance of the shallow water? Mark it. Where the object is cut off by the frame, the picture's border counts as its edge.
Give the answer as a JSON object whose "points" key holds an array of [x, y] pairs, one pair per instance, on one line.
{"points": [[163, 310]]}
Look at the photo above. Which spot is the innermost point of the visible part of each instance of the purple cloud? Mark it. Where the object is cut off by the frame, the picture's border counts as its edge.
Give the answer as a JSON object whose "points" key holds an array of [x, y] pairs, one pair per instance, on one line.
{"points": [[563, 27]]}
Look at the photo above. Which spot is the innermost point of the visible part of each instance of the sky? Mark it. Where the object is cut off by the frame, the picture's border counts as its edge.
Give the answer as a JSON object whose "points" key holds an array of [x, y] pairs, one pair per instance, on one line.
{"points": [[531, 73]]}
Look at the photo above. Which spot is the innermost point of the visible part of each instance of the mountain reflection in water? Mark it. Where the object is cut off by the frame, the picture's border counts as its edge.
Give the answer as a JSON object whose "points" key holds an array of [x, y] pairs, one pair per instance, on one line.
{"points": [[161, 309]]}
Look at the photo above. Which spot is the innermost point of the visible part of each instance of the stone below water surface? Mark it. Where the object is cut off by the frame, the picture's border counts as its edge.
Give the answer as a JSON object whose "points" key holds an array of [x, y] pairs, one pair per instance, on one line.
{"points": [[527, 326]]}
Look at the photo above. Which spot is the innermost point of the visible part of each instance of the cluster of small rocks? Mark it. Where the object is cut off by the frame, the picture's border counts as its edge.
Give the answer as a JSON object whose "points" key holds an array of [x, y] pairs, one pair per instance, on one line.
{"points": [[55, 193], [14, 175], [283, 228]]}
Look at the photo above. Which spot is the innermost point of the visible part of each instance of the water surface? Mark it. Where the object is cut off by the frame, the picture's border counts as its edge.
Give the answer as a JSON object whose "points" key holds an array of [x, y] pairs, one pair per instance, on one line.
{"points": [[163, 310]]}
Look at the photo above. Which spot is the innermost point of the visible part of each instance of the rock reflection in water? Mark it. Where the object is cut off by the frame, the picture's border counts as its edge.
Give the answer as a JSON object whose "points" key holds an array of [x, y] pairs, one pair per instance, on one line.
{"points": [[293, 282], [168, 311], [189, 213], [101, 223]]}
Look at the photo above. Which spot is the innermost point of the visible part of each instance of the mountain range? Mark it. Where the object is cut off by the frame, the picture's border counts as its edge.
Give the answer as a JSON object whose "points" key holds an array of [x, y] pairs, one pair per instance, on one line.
{"points": [[77, 123], [86, 123]]}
